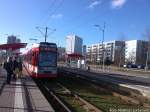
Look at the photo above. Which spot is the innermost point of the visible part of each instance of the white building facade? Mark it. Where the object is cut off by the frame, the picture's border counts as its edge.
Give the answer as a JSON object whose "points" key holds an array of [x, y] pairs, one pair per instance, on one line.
{"points": [[74, 44], [136, 51]]}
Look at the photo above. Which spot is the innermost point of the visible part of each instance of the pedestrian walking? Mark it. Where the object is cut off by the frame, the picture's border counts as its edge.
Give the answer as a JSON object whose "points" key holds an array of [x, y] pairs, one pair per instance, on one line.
{"points": [[8, 66], [15, 68]]}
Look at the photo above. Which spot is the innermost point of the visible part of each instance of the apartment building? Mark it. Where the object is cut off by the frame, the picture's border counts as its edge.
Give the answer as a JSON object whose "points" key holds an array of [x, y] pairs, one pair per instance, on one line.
{"points": [[113, 50], [74, 44], [120, 52], [136, 51]]}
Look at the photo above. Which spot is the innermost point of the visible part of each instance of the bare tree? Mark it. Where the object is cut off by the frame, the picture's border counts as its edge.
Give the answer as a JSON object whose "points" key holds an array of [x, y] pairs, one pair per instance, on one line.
{"points": [[121, 50], [122, 53]]}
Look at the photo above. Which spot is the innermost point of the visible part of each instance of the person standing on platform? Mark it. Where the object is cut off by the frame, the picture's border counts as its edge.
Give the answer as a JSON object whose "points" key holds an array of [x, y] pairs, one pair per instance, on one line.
{"points": [[8, 66], [15, 68]]}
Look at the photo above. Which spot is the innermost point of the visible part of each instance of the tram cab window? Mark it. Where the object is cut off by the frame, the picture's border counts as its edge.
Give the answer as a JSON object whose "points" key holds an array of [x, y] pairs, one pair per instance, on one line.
{"points": [[47, 59]]}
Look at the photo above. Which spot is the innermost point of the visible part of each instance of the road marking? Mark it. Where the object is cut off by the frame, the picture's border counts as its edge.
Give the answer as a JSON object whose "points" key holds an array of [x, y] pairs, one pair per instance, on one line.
{"points": [[18, 106]]}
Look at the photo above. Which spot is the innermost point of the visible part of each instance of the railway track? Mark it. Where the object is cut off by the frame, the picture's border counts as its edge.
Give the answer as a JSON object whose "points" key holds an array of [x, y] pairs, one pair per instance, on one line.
{"points": [[74, 93], [55, 101], [68, 100], [127, 97], [85, 104], [123, 84]]}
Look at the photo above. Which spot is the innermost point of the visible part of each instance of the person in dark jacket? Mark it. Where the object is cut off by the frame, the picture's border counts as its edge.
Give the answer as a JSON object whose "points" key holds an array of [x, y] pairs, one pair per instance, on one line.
{"points": [[15, 68], [8, 66]]}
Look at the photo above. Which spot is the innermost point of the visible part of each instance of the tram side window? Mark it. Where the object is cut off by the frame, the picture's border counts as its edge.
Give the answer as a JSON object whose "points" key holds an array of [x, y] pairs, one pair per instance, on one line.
{"points": [[37, 59], [30, 58], [34, 58]]}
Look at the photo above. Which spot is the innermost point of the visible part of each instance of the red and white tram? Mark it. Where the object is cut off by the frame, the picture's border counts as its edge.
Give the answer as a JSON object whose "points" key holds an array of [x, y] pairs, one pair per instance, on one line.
{"points": [[41, 60]]}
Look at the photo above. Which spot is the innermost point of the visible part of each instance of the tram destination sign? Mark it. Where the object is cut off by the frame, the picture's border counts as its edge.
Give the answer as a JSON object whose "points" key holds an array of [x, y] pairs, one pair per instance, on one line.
{"points": [[47, 48]]}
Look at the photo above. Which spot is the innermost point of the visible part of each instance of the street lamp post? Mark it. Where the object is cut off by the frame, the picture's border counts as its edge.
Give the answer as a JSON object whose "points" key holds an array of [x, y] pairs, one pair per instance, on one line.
{"points": [[147, 57], [146, 67], [103, 34]]}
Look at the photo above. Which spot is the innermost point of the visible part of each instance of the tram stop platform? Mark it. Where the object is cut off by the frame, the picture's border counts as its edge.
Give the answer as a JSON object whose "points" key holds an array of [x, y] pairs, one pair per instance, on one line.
{"points": [[21, 95]]}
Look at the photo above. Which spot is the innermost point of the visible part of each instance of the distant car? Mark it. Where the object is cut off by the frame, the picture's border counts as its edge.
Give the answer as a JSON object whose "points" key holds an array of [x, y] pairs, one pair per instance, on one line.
{"points": [[130, 66], [133, 66], [125, 66], [141, 66]]}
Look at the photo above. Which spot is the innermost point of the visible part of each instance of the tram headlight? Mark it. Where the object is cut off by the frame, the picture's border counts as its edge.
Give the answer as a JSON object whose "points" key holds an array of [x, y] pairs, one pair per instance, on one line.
{"points": [[36, 70]]}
